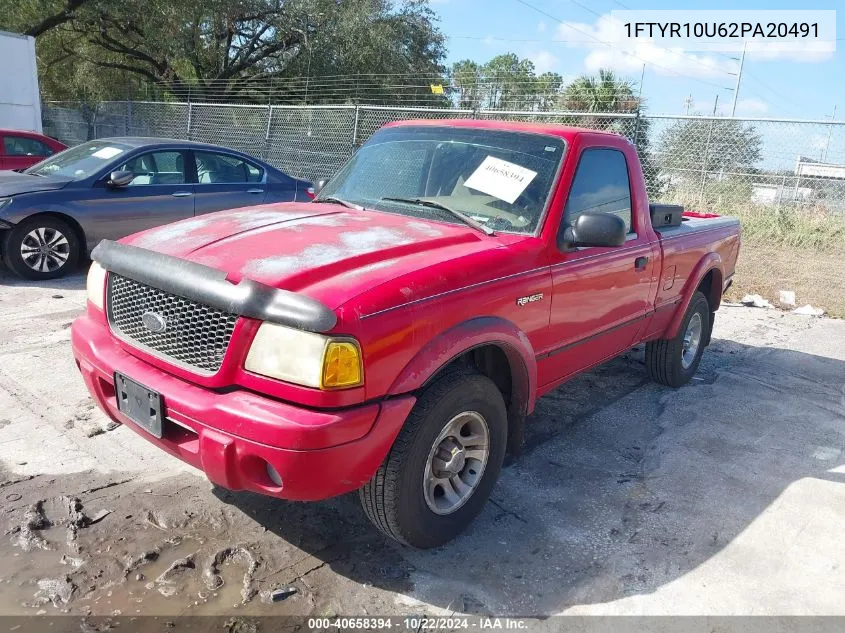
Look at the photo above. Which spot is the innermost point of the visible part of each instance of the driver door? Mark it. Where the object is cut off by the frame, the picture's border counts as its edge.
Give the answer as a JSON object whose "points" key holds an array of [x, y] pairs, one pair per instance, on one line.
{"points": [[601, 295], [160, 193]]}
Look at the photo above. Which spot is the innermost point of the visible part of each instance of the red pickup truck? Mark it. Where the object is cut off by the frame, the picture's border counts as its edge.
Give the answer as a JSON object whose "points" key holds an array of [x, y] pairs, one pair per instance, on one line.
{"points": [[393, 335]]}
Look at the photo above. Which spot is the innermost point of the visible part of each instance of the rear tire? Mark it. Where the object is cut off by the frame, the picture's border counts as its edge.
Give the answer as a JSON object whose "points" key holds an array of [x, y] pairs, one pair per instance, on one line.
{"points": [[673, 362], [42, 247], [441, 448]]}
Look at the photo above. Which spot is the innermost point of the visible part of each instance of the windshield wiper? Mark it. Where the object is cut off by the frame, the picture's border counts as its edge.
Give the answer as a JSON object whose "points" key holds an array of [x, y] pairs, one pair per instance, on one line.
{"points": [[340, 201], [438, 205]]}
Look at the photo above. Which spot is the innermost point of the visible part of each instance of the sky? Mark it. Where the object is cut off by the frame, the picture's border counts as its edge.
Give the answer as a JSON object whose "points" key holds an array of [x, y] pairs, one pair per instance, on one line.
{"points": [[799, 84]]}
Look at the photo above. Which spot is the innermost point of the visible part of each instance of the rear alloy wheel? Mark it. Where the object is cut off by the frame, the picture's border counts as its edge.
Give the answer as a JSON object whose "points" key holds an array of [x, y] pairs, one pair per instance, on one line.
{"points": [[42, 248], [673, 362]]}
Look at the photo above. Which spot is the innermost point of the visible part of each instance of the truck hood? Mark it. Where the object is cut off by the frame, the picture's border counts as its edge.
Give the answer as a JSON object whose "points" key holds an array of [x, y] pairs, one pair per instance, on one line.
{"points": [[325, 251], [13, 183]]}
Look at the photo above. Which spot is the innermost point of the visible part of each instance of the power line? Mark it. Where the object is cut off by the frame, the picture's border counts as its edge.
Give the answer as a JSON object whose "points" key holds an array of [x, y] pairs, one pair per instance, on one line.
{"points": [[586, 8], [490, 38], [500, 39], [791, 104], [591, 36]]}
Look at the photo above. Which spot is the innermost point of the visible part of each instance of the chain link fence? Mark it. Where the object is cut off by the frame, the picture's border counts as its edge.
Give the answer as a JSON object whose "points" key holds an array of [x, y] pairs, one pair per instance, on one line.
{"points": [[706, 163]]}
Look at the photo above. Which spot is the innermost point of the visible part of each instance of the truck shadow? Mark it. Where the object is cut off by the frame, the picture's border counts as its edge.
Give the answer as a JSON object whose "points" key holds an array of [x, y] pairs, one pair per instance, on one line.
{"points": [[624, 486]]}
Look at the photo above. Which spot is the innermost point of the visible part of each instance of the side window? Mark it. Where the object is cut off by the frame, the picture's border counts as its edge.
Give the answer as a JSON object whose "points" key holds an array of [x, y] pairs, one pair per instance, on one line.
{"points": [[600, 184], [254, 173], [156, 168], [222, 168], [23, 146]]}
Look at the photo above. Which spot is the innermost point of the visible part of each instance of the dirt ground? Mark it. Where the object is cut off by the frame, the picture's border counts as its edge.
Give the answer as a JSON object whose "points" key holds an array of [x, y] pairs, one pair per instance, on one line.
{"points": [[724, 497], [812, 275]]}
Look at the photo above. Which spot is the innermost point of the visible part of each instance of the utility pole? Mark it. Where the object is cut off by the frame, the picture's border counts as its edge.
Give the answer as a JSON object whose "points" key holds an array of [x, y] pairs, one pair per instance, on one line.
{"points": [[707, 153], [688, 102], [642, 78], [639, 110], [739, 77], [829, 133], [308, 45]]}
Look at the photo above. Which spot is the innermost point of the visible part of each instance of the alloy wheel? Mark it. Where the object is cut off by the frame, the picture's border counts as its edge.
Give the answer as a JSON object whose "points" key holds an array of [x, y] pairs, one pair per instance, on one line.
{"points": [[45, 249], [456, 462]]}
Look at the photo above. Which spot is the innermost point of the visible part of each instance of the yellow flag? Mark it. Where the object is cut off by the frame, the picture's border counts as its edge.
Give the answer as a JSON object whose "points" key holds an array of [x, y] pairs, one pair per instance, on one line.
{"points": [[436, 89]]}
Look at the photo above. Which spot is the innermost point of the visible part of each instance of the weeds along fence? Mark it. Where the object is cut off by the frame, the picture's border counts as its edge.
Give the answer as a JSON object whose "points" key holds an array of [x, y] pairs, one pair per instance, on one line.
{"points": [[759, 166]]}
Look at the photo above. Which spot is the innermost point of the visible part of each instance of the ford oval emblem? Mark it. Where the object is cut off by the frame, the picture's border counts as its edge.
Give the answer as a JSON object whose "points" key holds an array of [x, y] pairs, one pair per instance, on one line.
{"points": [[154, 322]]}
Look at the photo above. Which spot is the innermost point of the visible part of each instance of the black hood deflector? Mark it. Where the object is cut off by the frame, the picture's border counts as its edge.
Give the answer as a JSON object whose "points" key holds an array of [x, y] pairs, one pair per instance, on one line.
{"points": [[209, 286]]}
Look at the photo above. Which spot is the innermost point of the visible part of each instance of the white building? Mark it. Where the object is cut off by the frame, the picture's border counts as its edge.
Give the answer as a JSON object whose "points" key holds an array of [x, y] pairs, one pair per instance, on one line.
{"points": [[765, 193], [20, 102], [817, 169]]}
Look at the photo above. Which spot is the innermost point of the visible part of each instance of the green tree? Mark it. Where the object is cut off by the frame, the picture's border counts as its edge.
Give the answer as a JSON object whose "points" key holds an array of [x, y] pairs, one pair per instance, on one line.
{"points": [[467, 84], [713, 146], [548, 91], [510, 81], [704, 161], [598, 96], [225, 48], [506, 82], [605, 93]]}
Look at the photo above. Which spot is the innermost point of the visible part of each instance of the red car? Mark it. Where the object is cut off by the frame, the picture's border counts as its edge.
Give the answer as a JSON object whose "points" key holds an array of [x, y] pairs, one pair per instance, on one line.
{"points": [[394, 335], [21, 150]]}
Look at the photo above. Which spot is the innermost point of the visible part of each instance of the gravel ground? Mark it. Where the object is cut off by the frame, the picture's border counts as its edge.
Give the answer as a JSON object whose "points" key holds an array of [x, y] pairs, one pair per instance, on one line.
{"points": [[724, 497]]}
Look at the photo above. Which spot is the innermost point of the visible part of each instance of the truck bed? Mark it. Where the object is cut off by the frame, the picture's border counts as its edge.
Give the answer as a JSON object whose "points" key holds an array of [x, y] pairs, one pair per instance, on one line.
{"points": [[684, 247], [694, 225]]}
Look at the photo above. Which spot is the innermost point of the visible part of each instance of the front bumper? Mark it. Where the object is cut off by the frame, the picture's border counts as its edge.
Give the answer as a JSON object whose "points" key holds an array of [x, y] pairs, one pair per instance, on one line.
{"points": [[233, 435]]}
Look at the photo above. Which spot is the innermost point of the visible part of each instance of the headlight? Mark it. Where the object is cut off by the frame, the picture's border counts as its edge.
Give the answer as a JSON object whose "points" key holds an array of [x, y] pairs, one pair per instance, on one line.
{"points": [[5, 202], [305, 358], [96, 284]]}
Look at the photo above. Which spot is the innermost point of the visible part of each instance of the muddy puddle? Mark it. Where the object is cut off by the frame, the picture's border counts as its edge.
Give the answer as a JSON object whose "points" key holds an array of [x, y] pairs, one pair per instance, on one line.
{"points": [[92, 545]]}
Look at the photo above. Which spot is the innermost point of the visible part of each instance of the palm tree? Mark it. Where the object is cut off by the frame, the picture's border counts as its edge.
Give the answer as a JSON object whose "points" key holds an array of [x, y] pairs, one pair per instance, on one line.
{"points": [[605, 93]]}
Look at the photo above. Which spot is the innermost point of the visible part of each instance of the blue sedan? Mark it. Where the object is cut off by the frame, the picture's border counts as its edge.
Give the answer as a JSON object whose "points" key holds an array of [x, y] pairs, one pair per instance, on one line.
{"points": [[58, 210]]}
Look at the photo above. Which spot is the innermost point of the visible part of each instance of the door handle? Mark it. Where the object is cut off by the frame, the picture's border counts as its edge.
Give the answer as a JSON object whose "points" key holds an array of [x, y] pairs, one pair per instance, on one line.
{"points": [[181, 194], [255, 191], [640, 263]]}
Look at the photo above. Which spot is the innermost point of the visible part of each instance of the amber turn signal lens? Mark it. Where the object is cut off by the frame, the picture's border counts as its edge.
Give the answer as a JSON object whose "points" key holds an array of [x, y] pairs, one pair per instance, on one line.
{"points": [[342, 365]]}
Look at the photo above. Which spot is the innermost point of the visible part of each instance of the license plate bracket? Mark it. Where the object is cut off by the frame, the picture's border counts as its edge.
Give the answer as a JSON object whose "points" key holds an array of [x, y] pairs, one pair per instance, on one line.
{"points": [[140, 404]]}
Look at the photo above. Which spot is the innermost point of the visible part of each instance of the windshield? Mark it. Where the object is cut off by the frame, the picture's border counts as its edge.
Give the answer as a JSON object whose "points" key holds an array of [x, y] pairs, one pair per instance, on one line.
{"points": [[500, 179], [81, 161]]}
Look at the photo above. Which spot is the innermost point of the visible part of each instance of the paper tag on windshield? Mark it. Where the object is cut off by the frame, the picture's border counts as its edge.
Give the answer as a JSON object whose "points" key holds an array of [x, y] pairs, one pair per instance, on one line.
{"points": [[107, 152], [501, 179]]}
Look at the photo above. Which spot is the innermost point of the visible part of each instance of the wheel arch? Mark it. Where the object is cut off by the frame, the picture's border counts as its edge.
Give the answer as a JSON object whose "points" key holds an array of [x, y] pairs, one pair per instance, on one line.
{"points": [[707, 276], [496, 348], [75, 226]]}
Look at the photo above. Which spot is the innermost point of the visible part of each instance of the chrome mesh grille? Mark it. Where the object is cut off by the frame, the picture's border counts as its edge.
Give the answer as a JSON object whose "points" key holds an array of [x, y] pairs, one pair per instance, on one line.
{"points": [[195, 335]]}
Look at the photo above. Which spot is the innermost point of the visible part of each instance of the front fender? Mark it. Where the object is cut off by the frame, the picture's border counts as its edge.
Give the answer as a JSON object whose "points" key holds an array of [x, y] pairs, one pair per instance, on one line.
{"points": [[466, 336], [710, 262]]}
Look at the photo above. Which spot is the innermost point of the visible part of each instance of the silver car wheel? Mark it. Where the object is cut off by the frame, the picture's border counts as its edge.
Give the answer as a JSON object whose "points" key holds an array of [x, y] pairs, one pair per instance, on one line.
{"points": [[456, 462], [45, 249], [692, 341]]}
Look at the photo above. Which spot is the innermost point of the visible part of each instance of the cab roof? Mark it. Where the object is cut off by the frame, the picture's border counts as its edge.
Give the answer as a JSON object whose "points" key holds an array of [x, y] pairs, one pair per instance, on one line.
{"points": [[551, 129]]}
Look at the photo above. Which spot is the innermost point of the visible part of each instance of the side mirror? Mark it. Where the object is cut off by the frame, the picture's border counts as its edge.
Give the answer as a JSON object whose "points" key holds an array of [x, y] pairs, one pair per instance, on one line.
{"points": [[120, 178], [319, 186], [595, 229]]}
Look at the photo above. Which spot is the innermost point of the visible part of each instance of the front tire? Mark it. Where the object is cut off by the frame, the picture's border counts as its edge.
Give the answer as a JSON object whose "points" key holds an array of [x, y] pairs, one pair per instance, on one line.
{"points": [[444, 463], [42, 247], [673, 362]]}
